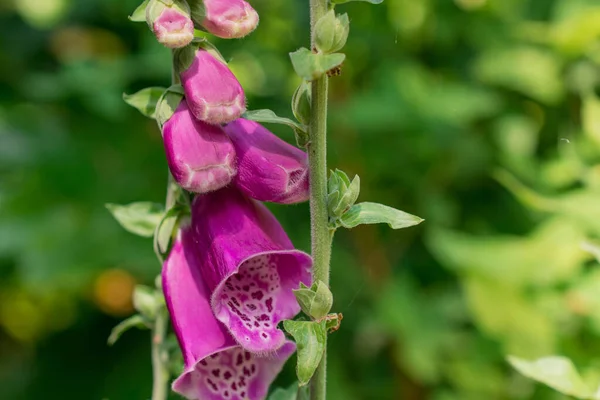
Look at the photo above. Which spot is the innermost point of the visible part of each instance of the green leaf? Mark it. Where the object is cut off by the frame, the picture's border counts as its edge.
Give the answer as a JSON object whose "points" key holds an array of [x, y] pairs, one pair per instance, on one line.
{"points": [[269, 117], [139, 15], [165, 229], [310, 340], [168, 103], [146, 301], [348, 1], [311, 66], [557, 372], [135, 321], [374, 213], [145, 100], [291, 393], [140, 218]]}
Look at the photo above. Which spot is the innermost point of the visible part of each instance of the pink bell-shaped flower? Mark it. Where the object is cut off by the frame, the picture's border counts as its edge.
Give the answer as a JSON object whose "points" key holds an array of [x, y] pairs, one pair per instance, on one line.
{"points": [[172, 24], [269, 168], [200, 156], [228, 19], [216, 368], [249, 265]]}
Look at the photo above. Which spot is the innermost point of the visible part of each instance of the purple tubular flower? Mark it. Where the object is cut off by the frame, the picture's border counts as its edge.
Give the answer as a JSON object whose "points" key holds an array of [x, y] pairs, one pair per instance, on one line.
{"points": [[269, 169], [229, 19], [249, 265], [212, 91], [200, 156], [216, 367], [172, 25]]}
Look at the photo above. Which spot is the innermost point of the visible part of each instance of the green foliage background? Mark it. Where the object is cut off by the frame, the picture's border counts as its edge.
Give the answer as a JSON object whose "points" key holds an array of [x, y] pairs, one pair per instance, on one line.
{"points": [[481, 116]]}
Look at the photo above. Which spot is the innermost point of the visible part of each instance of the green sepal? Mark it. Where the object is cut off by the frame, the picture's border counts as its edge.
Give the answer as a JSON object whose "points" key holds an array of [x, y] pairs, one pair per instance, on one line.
{"points": [[331, 32], [269, 117], [135, 321], [375, 213], [311, 66], [315, 301], [145, 100], [139, 218], [139, 14], [183, 57], [301, 103], [166, 229], [342, 193], [168, 103], [310, 337]]}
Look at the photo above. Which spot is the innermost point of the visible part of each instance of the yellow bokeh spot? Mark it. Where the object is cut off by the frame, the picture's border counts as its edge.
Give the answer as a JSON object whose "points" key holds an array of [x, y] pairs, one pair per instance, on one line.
{"points": [[113, 291], [42, 13]]}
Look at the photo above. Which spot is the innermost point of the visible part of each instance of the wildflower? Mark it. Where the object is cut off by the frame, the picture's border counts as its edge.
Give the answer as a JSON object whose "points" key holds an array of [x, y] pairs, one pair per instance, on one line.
{"points": [[216, 367], [171, 24], [249, 265], [200, 156], [227, 19], [270, 169]]}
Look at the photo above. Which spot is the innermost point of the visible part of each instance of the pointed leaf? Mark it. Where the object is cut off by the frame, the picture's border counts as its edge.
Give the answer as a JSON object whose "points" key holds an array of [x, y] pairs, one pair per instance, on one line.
{"points": [[557, 372], [311, 66], [135, 321], [139, 15], [145, 100], [322, 302], [269, 117], [310, 340], [374, 213], [138, 218]]}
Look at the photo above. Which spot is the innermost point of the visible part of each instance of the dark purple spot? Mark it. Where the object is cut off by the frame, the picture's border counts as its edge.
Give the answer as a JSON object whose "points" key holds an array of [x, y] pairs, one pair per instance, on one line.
{"points": [[264, 335], [246, 371], [253, 368], [240, 360], [203, 362], [234, 386], [246, 288], [212, 384], [243, 394], [251, 307], [256, 324], [227, 375], [242, 381], [226, 393], [235, 301], [263, 317], [238, 277], [269, 304], [247, 355], [257, 295], [216, 372]]}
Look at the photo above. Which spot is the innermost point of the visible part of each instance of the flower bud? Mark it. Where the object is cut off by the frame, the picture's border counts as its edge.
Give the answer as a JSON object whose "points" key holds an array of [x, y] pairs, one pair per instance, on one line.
{"points": [[171, 22], [301, 103], [212, 92], [331, 32], [342, 193], [228, 19], [200, 156]]}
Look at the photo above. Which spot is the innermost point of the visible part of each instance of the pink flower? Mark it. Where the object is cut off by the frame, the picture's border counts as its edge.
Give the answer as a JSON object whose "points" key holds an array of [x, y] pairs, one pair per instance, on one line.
{"points": [[269, 169], [249, 266], [172, 25], [200, 156], [212, 91], [216, 368], [228, 19]]}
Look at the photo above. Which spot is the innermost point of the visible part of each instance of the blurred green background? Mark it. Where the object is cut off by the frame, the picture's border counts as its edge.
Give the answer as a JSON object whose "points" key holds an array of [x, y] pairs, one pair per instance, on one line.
{"points": [[481, 116]]}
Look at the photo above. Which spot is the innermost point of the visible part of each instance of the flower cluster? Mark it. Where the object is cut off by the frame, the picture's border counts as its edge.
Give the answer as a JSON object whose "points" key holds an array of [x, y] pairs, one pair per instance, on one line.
{"points": [[229, 277]]}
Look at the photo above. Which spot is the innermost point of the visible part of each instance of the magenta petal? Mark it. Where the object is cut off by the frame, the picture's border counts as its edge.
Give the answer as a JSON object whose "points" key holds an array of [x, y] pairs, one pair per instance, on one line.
{"points": [[215, 366], [173, 28], [200, 156], [229, 18], [212, 91], [250, 266], [269, 169]]}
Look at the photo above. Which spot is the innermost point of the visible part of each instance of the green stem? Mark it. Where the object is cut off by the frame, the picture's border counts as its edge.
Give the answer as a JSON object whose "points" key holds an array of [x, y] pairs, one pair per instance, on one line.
{"points": [[321, 235], [160, 373]]}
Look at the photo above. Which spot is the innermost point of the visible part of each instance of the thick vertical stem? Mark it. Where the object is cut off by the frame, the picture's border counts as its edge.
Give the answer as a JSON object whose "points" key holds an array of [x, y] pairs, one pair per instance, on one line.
{"points": [[321, 236]]}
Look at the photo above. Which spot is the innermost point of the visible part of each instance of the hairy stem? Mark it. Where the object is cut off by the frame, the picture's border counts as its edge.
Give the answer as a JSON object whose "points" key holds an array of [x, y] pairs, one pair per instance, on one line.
{"points": [[321, 236]]}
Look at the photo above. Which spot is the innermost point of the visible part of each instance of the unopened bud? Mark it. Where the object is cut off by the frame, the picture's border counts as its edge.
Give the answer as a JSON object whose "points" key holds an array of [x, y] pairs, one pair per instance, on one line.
{"points": [[331, 32], [228, 19], [301, 103], [171, 22]]}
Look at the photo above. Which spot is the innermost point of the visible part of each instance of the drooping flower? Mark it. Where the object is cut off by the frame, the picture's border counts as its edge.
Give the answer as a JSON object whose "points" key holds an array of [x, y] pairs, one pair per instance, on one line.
{"points": [[212, 91], [269, 169], [216, 367], [229, 19], [172, 24], [249, 265], [200, 156]]}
